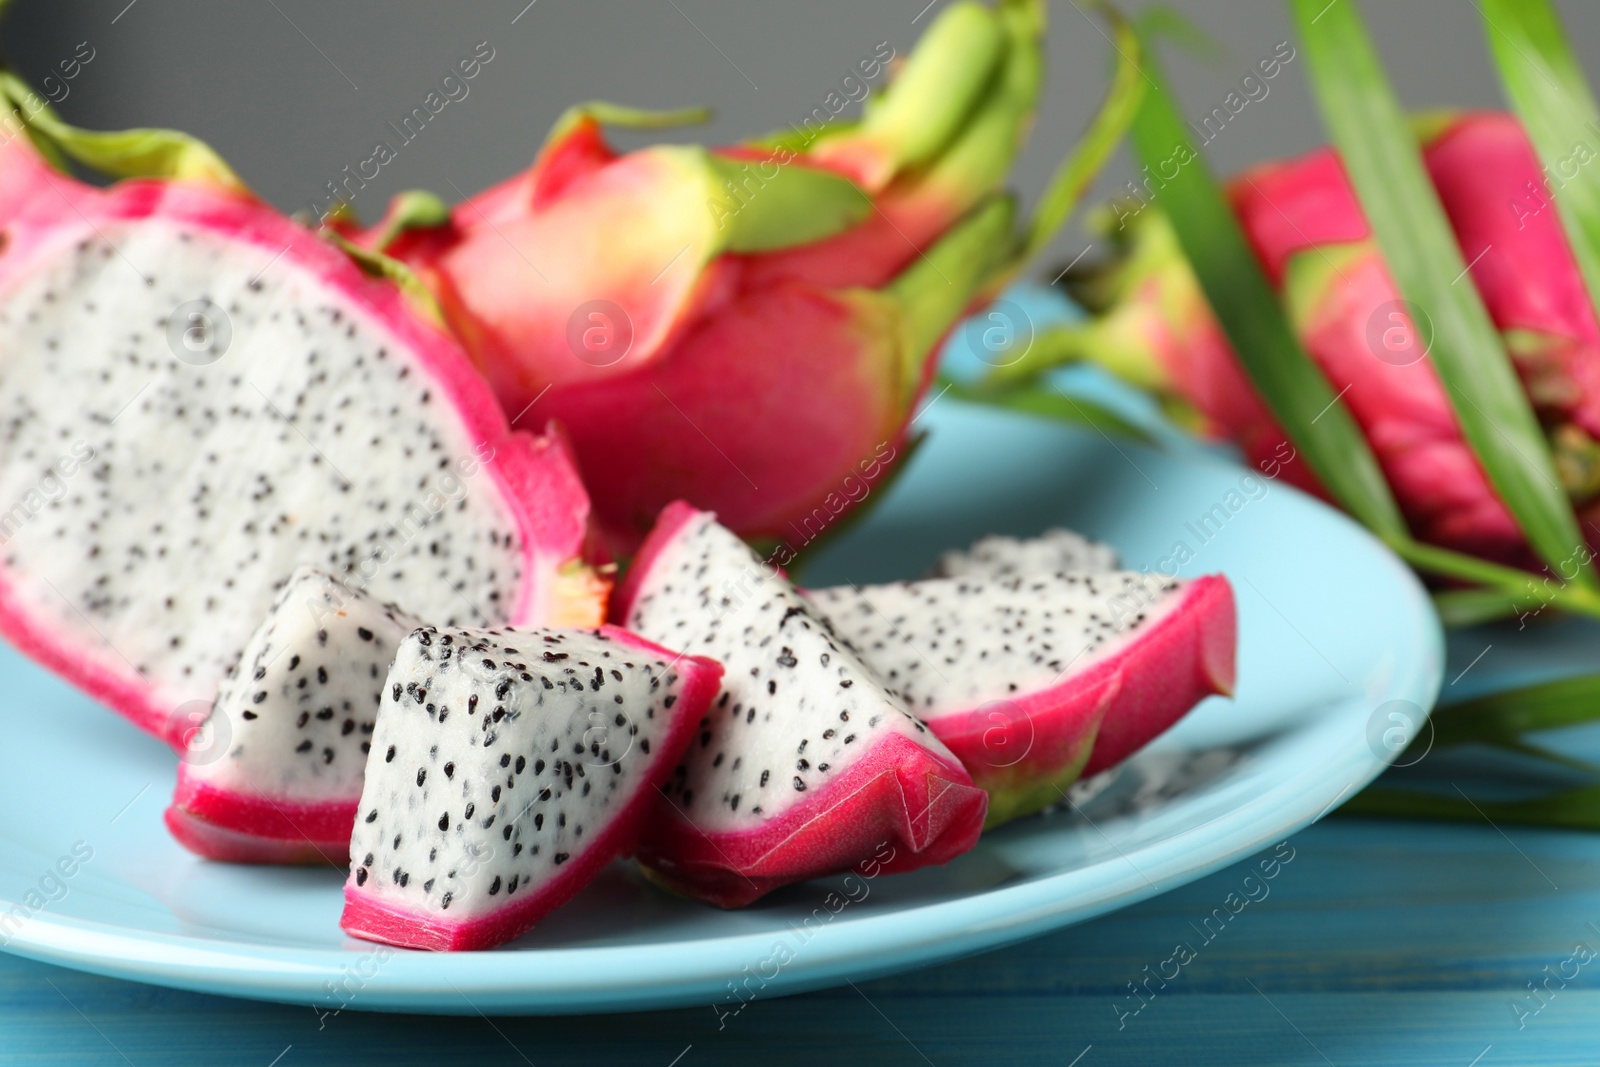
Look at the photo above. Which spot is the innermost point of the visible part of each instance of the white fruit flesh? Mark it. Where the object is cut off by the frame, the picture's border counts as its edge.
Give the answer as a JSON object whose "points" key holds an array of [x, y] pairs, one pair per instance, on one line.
{"points": [[499, 758], [999, 556], [315, 438], [796, 708], [295, 722], [948, 645]]}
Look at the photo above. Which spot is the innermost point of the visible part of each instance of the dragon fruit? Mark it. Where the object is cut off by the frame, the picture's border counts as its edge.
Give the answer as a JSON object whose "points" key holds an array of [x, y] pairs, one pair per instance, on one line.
{"points": [[747, 328], [199, 394], [1033, 679], [804, 765], [1307, 229], [1052, 552], [274, 772], [508, 768]]}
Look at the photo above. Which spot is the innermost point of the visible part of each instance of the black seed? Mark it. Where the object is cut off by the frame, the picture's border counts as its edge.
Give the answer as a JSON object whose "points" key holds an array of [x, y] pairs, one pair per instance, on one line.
{"points": [[389, 756], [444, 821]]}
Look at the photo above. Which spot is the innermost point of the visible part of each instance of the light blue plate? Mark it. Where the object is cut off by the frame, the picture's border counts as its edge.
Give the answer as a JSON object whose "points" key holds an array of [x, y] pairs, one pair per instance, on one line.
{"points": [[1334, 631]]}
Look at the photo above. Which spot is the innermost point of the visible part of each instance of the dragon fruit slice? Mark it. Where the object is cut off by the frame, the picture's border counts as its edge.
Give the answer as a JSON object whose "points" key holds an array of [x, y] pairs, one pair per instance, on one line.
{"points": [[198, 394], [804, 765], [1033, 680], [999, 556], [274, 773], [508, 769]]}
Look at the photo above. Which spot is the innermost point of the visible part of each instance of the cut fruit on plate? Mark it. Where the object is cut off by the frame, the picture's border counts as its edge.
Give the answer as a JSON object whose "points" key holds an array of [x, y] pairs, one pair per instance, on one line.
{"points": [[804, 765], [273, 774], [1033, 680], [1292, 743], [508, 768]]}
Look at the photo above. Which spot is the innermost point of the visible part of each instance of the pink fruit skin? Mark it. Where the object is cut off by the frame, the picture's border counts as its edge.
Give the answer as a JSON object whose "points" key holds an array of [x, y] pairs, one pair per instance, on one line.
{"points": [[1133, 695], [755, 384], [368, 916], [899, 793], [798, 427], [1308, 207], [1187, 656], [236, 828], [1489, 182], [42, 210]]}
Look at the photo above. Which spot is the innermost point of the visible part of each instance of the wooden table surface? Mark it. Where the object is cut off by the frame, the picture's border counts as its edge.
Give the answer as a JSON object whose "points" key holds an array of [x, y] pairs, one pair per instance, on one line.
{"points": [[1379, 943]]}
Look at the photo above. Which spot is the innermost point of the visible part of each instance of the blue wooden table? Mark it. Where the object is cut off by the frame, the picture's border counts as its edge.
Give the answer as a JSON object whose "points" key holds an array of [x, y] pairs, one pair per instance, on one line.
{"points": [[1379, 943]]}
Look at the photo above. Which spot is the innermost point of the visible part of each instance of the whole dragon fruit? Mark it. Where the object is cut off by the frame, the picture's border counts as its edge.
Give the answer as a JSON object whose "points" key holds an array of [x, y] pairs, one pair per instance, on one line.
{"points": [[198, 394], [746, 328], [1153, 327]]}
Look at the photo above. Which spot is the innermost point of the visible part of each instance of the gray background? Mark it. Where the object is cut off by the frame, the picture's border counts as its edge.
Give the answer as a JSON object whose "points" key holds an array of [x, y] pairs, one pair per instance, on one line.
{"points": [[290, 91]]}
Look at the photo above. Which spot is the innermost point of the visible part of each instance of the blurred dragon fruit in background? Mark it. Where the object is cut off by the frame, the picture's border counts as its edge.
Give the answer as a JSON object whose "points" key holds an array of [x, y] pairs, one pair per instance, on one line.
{"points": [[1152, 326], [748, 328]]}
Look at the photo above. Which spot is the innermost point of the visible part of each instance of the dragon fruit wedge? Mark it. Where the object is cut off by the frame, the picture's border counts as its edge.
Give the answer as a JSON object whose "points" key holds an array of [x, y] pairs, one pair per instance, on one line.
{"points": [[508, 768], [804, 765], [198, 394], [1032, 680], [274, 773], [1052, 552]]}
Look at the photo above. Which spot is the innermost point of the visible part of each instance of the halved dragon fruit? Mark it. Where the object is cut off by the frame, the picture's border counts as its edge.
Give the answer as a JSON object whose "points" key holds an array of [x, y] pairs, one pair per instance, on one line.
{"points": [[804, 765], [999, 556], [1033, 680], [198, 394], [274, 773], [508, 768]]}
